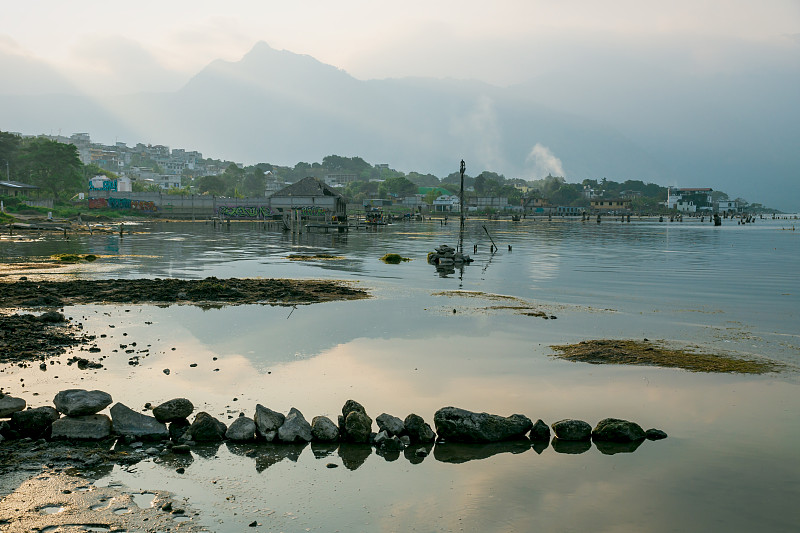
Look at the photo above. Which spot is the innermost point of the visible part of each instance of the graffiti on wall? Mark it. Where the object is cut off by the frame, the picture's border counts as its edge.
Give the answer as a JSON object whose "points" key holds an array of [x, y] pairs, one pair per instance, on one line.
{"points": [[311, 210], [106, 185], [244, 211], [122, 203]]}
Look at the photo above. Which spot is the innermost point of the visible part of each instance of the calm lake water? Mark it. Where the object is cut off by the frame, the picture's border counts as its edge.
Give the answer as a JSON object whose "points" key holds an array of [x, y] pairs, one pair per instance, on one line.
{"points": [[731, 462]]}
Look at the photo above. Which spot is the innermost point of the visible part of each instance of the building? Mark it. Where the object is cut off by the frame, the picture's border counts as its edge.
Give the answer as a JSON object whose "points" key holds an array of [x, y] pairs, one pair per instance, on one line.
{"points": [[16, 188], [340, 179], [689, 200], [311, 197], [447, 204], [611, 205], [727, 206]]}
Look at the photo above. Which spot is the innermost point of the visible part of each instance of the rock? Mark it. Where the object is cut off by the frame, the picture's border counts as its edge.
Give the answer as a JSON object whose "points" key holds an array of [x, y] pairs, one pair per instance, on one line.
{"points": [[242, 429], [351, 406], [34, 423], [9, 405], [267, 422], [655, 434], [79, 402], [181, 449], [417, 429], [572, 430], [380, 437], [616, 430], [392, 444], [323, 429], [460, 425], [85, 427], [174, 409], [358, 426], [391, 424], [177, 428], [51, 317], [125, 421], [540, 432], [295, 428], [206, 428]]}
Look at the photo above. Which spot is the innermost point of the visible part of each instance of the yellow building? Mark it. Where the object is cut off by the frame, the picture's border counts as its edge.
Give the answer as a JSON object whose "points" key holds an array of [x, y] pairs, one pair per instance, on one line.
{"points": [[610, 205]]}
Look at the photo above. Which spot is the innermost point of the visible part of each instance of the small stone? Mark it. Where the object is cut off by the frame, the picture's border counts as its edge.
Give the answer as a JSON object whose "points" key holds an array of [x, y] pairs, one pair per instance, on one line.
{"points": [[166, 371], [655, 434], [254, 523], [180, 470], [331, 465]]}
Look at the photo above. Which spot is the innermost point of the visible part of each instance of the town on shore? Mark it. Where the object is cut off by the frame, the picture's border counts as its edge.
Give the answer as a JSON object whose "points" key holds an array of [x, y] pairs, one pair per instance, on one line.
{"points": [[72, 175]]}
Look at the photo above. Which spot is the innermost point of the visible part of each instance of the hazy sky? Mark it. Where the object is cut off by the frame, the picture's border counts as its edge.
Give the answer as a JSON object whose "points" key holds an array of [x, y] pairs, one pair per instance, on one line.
{"points": [[157, 45]]}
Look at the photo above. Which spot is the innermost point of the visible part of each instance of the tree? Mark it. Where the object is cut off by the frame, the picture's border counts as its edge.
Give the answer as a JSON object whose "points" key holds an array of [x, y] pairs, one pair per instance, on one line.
{"points": [[91, 170], [52, 166], [9, 146], [398, 186], [214, 185], [255, 182]]}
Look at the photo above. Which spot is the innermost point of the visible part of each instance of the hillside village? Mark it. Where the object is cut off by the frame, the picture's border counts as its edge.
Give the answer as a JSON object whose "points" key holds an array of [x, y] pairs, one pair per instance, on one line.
{"points": [[114, 170]]}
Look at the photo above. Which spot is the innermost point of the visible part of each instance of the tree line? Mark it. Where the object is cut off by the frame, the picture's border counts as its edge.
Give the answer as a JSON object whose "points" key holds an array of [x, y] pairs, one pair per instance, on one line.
{"points": [[57, 169]]}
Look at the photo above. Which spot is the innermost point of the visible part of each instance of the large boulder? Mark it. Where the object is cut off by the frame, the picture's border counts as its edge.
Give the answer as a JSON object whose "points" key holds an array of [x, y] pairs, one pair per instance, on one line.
{"points": [[177, 428], [616, 430], [295, 428], [417, 429], [80, 402], [242, 429], [267, 422], [358, 427], [358, 422], [206, 428], [572, 430], [460, 425], [86, 427], [174, 409], [323, 429], [390, 424], [34, 423], [128, 423], [540, 432], [10, 404]]}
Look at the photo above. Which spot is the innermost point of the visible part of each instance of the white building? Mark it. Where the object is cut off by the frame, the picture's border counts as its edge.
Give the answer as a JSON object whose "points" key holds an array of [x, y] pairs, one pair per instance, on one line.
{"points": [[447, 204]]}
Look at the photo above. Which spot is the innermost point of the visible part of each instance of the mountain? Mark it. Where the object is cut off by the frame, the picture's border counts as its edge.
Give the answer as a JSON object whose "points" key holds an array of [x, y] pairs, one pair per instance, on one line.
{"points": [[280, 107]]}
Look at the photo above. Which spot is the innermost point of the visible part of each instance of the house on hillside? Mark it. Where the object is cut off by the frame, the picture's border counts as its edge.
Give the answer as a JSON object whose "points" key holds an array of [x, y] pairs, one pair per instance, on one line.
{"points": [[311, 197], [616, 206], [16, 188], [689, 200]]}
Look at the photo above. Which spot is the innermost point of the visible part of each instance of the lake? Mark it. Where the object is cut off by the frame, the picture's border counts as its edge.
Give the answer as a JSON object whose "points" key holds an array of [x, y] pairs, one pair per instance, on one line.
{"points": [[429, 339]]}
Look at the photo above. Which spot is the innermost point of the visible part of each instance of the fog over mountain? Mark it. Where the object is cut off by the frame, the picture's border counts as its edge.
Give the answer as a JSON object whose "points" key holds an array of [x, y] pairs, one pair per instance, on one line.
{"points": [[734, 129]]}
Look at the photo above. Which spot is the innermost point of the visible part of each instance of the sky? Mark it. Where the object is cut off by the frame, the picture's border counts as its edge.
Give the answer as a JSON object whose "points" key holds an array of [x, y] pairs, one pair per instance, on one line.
{"points": [[695, 80], [158, 45]]}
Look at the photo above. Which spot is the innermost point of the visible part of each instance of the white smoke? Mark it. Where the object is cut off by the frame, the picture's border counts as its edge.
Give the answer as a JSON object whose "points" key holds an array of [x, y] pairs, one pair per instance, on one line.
{"points": [[541, 162]]}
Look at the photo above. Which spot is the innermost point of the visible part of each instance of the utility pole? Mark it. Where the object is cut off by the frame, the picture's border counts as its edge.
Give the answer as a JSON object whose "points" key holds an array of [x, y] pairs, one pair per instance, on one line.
{"points": [[461, 201]]}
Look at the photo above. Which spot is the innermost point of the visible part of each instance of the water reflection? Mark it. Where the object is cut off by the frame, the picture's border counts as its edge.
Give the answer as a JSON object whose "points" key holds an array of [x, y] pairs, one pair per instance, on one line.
{"points": [[611, 448], [572, 447], [457, 453], [354, 455]]}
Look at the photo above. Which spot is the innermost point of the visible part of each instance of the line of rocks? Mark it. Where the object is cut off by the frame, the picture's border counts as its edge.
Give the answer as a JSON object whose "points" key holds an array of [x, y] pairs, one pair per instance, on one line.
{"points": [[170, 420]]}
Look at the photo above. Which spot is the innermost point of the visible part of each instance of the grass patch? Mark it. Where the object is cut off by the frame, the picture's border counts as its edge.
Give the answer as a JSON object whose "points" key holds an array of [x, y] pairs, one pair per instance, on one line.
{"points": [[394, 259], [477, 294], [630, 352], [74, 258]]}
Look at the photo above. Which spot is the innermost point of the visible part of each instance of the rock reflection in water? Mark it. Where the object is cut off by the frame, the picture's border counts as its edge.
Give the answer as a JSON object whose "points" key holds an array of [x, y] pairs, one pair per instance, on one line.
{"points": [[267, 455], [572, 447], [207, 450], [540, 445], [610, 448], [175, 460], [414, 455], [354, 455], [321, 450], [457, 452]]}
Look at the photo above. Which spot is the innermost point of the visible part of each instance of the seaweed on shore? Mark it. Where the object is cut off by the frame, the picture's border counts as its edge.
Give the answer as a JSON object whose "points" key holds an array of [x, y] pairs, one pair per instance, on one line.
{"points": [[631, 352]]}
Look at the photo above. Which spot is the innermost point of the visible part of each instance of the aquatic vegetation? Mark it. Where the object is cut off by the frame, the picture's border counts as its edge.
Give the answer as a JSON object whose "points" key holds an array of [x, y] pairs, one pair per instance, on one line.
{"points": [[394, 259], [631, 352], [74, 258]]}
